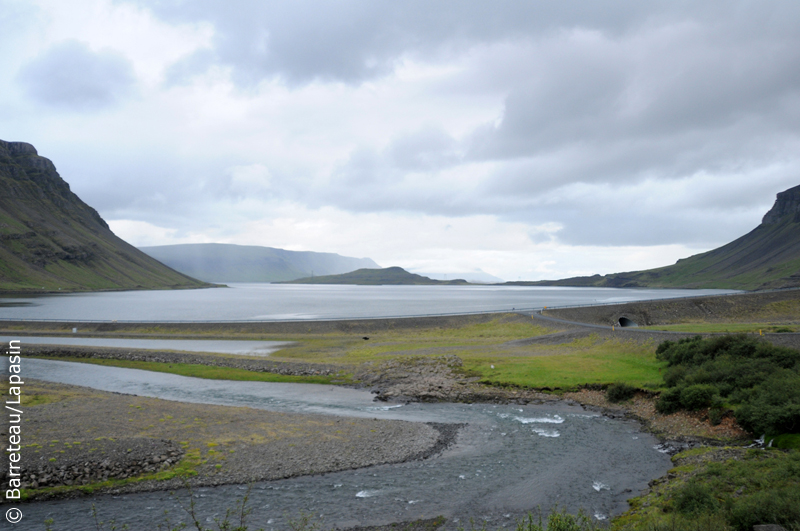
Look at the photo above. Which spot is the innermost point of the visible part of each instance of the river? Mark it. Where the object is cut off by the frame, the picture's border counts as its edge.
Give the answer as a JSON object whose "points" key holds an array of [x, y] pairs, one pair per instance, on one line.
{"points": [[507, 461]]}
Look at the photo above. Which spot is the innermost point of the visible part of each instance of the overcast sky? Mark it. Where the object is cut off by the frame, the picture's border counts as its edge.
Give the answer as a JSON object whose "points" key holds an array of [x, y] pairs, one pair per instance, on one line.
{"points": [[529, 139]]}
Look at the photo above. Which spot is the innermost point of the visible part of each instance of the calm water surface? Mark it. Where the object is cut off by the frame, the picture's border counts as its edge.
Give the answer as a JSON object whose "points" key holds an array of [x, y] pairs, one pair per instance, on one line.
{"points": [[270, 302], [507, 461], [239, 347]]}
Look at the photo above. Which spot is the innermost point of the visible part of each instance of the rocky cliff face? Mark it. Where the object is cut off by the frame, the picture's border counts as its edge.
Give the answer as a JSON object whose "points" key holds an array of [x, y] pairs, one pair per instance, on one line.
{"points": [[51, 240], [786, 204]]}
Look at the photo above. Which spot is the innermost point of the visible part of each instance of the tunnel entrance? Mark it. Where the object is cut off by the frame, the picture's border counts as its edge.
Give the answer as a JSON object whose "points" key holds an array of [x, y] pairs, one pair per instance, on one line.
{"points": [[624, 322]]}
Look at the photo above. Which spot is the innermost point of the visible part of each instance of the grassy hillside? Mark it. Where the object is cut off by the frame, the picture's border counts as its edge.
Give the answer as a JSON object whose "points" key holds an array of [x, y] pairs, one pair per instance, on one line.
{"points": [[51, 240], [376, 277], [767, 257], [217, 262]]}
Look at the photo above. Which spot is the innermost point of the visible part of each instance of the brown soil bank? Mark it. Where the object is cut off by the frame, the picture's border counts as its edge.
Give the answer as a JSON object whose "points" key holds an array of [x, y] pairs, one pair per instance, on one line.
{"points": [[775, 307], [81, 440]]}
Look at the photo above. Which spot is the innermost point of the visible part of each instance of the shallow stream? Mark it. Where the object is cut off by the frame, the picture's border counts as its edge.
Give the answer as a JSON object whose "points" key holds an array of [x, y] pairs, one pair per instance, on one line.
{"points": [[509, 460]]}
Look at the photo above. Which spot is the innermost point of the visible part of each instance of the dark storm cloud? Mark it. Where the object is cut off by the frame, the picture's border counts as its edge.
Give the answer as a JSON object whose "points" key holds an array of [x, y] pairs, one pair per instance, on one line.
{"points": [[70, 75]]}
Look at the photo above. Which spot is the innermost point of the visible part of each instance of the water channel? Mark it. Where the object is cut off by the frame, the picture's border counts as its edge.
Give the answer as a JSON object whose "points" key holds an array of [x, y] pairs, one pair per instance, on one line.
{"points": [[507, 461]]}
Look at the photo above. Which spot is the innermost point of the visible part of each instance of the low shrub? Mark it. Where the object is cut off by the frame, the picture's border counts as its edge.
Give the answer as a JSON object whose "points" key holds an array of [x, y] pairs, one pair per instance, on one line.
{"points": [[715, 416], [669, 401], [781, 507], [698, 396], [759, 380], [695, 497], [620, 392]]}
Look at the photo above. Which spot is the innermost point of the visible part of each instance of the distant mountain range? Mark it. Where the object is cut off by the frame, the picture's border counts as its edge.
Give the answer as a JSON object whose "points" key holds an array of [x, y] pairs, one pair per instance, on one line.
{"points": [[476, 276], [220, 262], [766, 257], [50, 240], [377, 277]]}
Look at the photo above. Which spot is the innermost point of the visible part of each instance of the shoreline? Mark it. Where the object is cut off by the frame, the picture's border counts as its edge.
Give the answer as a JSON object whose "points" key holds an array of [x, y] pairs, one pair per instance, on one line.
{"points": [[409, 378], [113, 443], [423, 380]]}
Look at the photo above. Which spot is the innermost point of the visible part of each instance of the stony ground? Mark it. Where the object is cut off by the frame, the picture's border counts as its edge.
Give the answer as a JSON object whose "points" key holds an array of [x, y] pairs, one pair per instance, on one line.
{"points": [[82, 436], [677, 426], [436, 379]]}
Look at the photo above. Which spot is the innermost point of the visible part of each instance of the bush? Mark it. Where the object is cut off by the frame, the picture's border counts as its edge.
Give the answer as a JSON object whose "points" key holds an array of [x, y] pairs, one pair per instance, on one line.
{"points": [[781, 507], [669, 401], [620, 392], [695, 498], [760, 378], [696, 397]]}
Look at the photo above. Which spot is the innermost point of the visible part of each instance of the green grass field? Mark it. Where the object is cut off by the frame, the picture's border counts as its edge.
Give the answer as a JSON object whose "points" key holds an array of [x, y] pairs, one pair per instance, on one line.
{"points": [[588, 360]]}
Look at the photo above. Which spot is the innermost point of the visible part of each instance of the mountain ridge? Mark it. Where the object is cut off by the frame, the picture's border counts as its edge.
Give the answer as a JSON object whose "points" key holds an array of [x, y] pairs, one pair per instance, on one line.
{"points": [[223, 262], [51, 240], [767, 257]]}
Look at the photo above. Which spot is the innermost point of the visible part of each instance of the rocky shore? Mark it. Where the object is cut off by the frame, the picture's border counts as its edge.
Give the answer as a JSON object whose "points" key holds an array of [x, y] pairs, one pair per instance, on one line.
{"points": [[83, 440], [96, 461], [436, 379]]}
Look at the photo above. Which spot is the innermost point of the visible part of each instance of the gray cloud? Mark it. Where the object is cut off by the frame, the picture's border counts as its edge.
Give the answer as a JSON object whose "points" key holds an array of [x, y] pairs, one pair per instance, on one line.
{"points": [[70, 75], [613, 96], [662, 96], [352, 41]]}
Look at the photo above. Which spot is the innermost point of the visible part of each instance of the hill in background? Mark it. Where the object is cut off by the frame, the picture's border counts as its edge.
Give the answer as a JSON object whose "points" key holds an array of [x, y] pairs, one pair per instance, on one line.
{"points": [[377, 277], [767, 257], [51, 240], [219, 262], [476, 276]]}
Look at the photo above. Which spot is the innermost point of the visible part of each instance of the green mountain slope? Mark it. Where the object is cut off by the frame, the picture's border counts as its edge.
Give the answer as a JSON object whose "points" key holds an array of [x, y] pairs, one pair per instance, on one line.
{"points": [[51, 240], [218, 262], [376, 277], [767, 257]]}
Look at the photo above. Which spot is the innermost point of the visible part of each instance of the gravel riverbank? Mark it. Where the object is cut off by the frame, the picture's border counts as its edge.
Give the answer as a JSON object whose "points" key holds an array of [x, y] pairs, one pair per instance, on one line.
{"points": [[81, 437]]}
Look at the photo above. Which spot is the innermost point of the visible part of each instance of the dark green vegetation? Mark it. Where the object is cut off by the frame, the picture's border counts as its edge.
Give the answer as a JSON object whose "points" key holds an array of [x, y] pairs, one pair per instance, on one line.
{"points": [[721, 489], [619, 392], [377, 277], [766, 257], [51, 240], [217, 262], [761, 381]]}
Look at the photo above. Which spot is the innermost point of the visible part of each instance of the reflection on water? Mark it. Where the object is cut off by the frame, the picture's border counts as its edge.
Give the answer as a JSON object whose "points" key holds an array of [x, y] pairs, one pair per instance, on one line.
{"points": [[507, 460]]}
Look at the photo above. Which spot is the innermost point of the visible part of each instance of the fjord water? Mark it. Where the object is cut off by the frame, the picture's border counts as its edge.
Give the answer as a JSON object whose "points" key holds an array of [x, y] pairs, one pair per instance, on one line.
{"points": [[507, 461], [230, 346], [275, 302]]}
